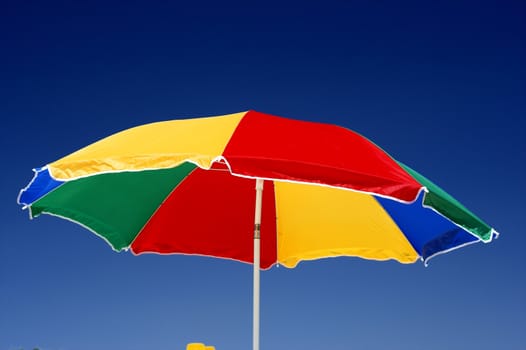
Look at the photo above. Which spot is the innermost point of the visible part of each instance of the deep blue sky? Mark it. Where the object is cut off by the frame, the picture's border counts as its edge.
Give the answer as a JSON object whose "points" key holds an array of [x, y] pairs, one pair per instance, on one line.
{"points": [[441, 85]]}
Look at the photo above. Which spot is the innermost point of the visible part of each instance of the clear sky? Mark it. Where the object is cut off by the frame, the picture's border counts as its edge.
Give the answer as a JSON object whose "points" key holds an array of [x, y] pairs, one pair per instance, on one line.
{"points": [[440, 85]]}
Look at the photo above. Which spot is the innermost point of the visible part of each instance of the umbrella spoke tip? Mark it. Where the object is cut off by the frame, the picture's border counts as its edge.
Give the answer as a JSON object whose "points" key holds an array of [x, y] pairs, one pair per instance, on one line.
{"points": [[495, 234]]}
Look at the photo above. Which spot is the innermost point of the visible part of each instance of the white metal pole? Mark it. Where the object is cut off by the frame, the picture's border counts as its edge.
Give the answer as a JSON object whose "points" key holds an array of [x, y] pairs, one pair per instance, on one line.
{"points": [[257, 232]]}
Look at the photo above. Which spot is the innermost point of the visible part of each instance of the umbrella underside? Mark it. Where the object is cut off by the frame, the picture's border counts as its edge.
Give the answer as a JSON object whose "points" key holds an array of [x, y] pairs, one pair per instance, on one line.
{"points": [[210, 212]]}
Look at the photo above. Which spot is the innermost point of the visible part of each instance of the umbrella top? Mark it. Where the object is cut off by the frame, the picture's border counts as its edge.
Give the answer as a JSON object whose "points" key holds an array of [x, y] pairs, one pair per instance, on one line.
{"points": [[249, 144]]}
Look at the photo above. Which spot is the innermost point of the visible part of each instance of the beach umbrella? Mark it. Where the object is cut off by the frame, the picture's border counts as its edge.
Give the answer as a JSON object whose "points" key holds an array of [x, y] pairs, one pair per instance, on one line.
{"points": [[202, 186]]}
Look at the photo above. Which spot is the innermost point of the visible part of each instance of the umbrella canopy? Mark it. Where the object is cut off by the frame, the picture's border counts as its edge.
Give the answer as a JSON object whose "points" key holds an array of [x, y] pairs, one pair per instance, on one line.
{"points": [[167, 187]]}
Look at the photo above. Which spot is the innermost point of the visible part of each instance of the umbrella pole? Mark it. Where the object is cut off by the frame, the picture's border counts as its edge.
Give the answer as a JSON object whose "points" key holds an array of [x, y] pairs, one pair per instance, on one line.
{"points": [[257, 232]]}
